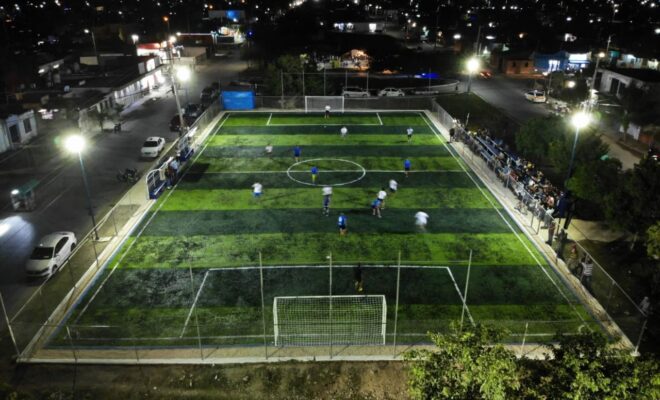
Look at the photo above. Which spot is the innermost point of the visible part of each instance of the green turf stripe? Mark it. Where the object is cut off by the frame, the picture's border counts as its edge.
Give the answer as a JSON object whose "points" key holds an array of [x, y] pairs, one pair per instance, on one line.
{"points": [[492, 249], [315, 130], [219, 199], [321, 140], [310, 220], [206, 164], [197, 179], [327, 151]]}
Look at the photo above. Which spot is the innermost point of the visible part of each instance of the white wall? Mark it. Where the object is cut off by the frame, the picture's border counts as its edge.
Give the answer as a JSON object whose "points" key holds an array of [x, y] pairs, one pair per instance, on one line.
{"points": [[26, 130]]}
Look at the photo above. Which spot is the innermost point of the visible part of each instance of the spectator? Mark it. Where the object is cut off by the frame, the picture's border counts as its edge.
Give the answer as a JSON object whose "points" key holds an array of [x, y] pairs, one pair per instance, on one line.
{"points": [[587, 272]]}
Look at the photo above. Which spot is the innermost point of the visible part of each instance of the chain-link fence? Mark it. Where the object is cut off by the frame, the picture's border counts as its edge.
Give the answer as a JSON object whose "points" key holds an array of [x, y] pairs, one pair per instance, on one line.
{"points": [[538, 211], [338, 309], [350, 104], [52, 299]]}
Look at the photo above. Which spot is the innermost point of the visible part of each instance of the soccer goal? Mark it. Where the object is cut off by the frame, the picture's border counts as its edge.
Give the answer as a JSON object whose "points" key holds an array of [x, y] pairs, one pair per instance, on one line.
{"points": [[325, 320], [318, 103]]}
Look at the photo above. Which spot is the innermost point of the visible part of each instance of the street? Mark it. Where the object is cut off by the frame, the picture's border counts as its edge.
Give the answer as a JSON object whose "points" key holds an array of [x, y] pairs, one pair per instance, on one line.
{"points": [[507, 94], [61, 202]]}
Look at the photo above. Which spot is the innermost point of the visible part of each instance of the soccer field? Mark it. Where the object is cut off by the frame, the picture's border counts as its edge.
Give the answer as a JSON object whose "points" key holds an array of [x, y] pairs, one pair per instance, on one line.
{"points": [[189, 272]]}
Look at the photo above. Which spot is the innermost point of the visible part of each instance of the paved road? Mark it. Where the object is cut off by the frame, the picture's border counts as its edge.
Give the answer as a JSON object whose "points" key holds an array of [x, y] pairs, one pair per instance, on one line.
{"points": [[61, 200], [507, 94]]}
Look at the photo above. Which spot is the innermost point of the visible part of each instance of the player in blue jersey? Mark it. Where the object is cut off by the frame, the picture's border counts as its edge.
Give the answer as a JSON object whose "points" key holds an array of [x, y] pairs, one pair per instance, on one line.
{"points": [[342, 223], [296, 153], [406, 166], [315, 173]]}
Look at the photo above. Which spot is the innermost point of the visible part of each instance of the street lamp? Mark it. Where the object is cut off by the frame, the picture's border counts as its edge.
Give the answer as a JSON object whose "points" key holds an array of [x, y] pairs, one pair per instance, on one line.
{"points": [[579, 121], [182, 74], [593, 78], [166, 19], [76, 144], [135, 38], [472, 67], [96, 53]]}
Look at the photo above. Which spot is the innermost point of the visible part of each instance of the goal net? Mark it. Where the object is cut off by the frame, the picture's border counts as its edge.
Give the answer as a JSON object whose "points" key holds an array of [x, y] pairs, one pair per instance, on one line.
{"points": [[318, 103], [322, 320]]}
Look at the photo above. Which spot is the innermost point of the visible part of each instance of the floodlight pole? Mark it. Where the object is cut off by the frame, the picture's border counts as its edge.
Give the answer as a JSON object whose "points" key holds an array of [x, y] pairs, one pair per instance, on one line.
{"points": [[8, 322], [330, 298], [570, 165], [263, 305], [89, 197], [396, 303], [182, 123], [465, 292]]}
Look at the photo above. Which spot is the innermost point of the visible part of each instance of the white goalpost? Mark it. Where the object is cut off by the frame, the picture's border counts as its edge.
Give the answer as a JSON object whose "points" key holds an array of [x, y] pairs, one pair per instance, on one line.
{"points": [[318, 103], [325, 320]]}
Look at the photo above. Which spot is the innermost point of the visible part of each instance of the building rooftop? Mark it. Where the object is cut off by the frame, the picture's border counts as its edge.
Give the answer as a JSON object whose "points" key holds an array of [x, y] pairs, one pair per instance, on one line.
{"points": [[642, 74]]}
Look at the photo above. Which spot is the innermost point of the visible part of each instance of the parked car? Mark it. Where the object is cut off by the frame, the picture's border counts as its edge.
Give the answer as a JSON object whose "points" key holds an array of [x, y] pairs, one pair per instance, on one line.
{"points": [[175, 122], [485, 74], [536, 96], [152, 147], [351, 91], [208, 95], [391, 92], [193, 110], [50, 254]]}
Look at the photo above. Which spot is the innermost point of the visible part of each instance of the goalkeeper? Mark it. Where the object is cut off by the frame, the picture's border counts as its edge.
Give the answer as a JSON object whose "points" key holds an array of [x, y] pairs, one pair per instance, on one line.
{"points": [[357, 276]]}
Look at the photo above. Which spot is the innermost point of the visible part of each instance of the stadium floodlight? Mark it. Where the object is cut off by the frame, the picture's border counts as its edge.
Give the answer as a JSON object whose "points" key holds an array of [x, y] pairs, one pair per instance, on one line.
{"points": [[318, 103], [325, 320], [472, 67], [76, 144], [579, 120]]}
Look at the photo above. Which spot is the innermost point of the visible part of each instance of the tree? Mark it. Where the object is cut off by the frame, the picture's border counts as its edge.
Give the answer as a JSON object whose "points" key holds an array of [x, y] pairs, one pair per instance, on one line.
{"points": [[634, 205], [534, 137], [589, 148], [467, 364], [653, 241], [587, 366], [98, 116], [641, 103], [287, 70], [592, 180]]}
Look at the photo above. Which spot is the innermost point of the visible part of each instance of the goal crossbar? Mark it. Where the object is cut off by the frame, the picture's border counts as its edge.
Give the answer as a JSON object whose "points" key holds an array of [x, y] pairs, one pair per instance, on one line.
{"points": [[325, 320]]}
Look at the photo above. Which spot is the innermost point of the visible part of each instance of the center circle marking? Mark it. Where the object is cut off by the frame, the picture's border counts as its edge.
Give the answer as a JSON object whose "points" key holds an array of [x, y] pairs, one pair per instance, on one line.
{"points": [[359, 169]]}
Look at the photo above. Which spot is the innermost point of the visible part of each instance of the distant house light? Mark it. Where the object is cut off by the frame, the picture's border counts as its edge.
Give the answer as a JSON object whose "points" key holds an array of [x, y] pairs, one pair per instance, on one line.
{"points": [[457, 36]]}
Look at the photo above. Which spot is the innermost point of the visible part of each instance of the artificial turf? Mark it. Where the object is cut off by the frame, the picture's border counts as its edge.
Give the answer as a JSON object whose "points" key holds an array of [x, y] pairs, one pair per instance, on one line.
{"points": [[211, 224]]}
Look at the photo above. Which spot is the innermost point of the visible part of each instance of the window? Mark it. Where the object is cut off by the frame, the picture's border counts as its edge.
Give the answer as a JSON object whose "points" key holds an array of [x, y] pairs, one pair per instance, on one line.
{"points": [[60, 245], [526, 64], [27, 125], [514, 64]]}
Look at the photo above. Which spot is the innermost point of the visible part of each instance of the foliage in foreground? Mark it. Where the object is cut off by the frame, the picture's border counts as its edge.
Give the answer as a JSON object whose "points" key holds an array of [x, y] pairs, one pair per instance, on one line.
{"points": [[471, 364]]}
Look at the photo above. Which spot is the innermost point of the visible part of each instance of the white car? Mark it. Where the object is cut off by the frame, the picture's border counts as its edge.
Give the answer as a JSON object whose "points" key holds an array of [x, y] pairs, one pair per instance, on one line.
{"points": [[52, 251], [391, 92], [355, 92], [152, 147], [536, 96]]}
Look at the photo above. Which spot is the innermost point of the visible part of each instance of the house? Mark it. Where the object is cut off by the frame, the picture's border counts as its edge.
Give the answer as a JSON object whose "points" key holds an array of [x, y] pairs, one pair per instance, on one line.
{"points": [[512, 63], [17, 127], [561, 61], [614, 80], [628, 60]]}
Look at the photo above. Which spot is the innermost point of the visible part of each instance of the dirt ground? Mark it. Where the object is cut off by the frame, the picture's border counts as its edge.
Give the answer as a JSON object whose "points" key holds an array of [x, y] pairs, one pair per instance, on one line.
{"points": [[291, 380]]}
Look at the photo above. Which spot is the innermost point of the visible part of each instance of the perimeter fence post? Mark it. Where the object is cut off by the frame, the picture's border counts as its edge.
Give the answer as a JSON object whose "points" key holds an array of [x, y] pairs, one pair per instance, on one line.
{"points": [[396, 303], [367, 81], [522, 345], [282, 85], [345, 78], [73, 349], [9, 328], [609, 295], [96, 254], [467, 282], [194, 309], [330, 293], [114, 222], [263, 306], [324, 79], [641, 334]]}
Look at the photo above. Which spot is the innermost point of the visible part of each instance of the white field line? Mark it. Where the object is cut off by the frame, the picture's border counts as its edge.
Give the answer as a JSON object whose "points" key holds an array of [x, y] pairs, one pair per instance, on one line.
{"points": [[269, 118], [342, 170], [379, 120], [201, 287], [325, 124], [199, 291], [114, 267], [506, 221], [463, 299]]}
